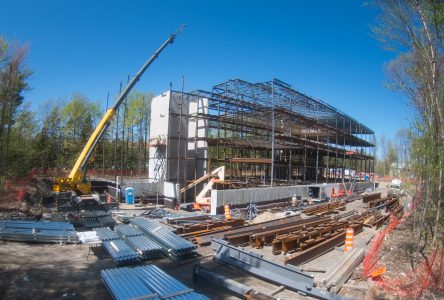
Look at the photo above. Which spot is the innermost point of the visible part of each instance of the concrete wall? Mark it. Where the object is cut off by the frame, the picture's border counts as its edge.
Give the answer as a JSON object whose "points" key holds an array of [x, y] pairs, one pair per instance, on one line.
{"points": [[142, 187], [160, 118], [325, 190], [219, 198], [242, 197], [360, 186]]}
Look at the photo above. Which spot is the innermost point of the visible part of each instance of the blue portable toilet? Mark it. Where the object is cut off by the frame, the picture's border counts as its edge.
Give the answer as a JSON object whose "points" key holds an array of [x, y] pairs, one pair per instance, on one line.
{"points": [[129, 195]]}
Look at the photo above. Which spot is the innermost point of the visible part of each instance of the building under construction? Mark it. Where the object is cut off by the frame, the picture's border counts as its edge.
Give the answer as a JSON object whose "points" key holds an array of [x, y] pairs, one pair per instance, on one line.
{"points": [[265, 134]]}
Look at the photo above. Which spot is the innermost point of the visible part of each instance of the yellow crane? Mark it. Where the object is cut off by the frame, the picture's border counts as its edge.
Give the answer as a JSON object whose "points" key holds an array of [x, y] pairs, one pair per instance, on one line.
{"points": [[76, 181]]}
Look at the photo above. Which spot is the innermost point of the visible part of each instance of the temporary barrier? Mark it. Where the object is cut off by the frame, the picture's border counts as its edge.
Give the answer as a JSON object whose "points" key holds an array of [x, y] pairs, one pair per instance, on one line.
{"points": [[413, 284], [227, 212], [349, 237]]}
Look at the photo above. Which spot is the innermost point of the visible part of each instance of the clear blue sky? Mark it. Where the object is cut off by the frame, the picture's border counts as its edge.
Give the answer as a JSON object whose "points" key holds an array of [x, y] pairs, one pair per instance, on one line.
{"points": [[321, 48]]}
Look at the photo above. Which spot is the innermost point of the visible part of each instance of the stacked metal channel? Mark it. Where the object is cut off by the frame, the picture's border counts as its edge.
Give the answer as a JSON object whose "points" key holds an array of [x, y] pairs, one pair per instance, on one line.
{"points": [[41, 232], [165, 285], [127, 230], [146, 282], [145, 246], [96, 218], [106, 221], [106, 234], [123, 284], [173, 245], [121, 252]]}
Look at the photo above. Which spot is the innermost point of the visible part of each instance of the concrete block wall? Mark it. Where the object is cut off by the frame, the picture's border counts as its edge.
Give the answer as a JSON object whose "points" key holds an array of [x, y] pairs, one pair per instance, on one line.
{"points": [[219, 198], [242, 197], [145, 188]]}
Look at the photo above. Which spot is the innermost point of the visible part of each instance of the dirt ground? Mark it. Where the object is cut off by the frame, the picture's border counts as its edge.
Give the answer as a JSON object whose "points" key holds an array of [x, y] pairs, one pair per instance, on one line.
{"points": [[52, 271], [46, 271]]}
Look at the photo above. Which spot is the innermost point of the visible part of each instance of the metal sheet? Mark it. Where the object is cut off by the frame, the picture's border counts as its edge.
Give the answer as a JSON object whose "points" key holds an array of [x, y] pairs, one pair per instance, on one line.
{"points": [[146, 282]]}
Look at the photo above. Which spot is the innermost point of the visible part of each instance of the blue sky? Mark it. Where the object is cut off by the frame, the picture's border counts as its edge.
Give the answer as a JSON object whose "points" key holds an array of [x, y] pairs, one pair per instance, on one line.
{"points": [[322, 48]]}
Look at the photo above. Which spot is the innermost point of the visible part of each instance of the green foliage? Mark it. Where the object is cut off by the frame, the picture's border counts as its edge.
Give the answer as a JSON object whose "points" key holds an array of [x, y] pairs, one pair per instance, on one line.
{"points": [[13, 82], [56, 140], [414, 30], [78, 120]]}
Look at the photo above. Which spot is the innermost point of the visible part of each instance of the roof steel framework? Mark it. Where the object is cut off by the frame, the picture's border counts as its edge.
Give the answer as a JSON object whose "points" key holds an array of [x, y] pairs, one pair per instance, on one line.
{"points": [[312, 140]]}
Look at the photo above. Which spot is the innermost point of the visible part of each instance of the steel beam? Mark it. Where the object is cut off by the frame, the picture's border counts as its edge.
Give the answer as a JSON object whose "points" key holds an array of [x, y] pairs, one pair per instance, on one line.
{"points": [[289, 276], [239, 289]]}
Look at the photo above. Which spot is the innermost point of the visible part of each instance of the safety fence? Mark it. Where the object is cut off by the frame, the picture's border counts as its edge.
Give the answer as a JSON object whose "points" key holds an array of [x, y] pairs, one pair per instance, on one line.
{"points": [[427, 275]]}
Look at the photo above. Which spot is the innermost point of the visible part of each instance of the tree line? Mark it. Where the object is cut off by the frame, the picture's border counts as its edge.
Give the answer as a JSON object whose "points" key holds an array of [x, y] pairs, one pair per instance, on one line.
{"points": [[393, 158], [52, 136], [414, 31]]}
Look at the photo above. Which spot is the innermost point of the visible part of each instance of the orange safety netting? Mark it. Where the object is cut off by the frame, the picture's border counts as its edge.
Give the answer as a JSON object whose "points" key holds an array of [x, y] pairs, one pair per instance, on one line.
{"points": [[17, 185], [412, 285]]}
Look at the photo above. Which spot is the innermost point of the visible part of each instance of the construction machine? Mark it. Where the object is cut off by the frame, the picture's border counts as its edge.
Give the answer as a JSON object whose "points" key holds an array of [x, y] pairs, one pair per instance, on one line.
{"points": [[77, 180], [203, 202]]}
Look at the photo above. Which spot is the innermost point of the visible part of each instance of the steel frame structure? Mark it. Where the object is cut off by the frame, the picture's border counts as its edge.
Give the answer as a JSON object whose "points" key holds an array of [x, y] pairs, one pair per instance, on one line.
{"points": [[308, 141]]}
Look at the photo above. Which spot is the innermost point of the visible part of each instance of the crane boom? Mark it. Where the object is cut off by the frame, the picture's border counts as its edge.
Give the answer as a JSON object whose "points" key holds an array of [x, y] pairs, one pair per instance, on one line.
{"points": [[75, 180]]}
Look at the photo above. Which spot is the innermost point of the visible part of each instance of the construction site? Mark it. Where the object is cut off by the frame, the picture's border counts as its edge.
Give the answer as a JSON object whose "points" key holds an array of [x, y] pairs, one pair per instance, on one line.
{"points": [[253, 191]]}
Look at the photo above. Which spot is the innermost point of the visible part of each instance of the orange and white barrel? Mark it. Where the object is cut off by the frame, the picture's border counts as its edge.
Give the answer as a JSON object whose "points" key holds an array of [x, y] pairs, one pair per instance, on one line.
{"points": [[227, 212], [349, 237]]}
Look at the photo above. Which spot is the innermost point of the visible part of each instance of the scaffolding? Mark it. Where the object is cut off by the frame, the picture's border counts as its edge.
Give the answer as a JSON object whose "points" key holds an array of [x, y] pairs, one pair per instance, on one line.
{"points": [[270, 134]]}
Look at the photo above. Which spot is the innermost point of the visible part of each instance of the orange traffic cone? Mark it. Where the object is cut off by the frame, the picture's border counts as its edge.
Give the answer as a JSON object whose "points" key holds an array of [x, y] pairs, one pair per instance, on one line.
{"points": [[227, 212], [349, 237]]}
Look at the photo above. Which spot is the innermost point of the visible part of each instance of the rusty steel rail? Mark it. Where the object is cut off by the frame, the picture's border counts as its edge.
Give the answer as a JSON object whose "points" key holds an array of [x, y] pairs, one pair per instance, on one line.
{"points": [[306, 238], [370, 197], [267, 235], [325, 208], [310, 236], [209, 225], [242, 235], [321, 247]]}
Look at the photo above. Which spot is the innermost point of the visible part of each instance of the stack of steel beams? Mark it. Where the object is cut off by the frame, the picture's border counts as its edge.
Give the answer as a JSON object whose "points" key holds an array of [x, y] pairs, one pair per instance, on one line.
{"points": [[254, 263], [96, 218], [324, 209], [129, 237], [90, 222], [120, 251], [146, 282], [145, 246], [369, 197], [172, 245], [94, 213], [127, 230], [106, 221], [106, 234], [43, 232], [124, 284]]}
